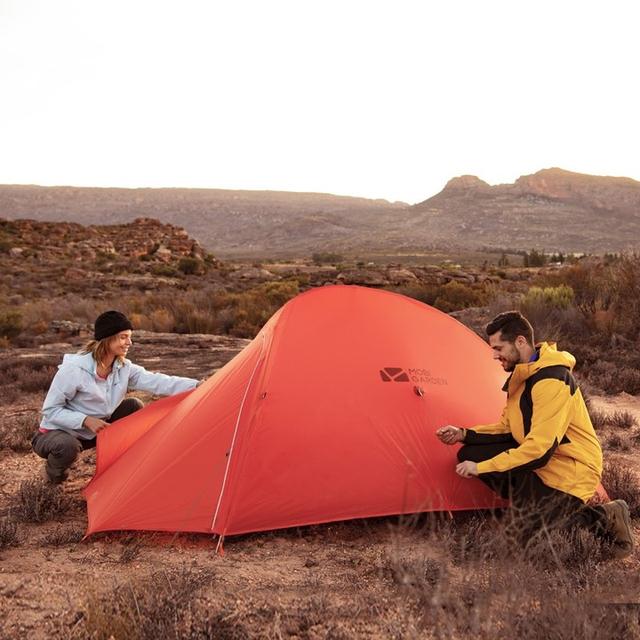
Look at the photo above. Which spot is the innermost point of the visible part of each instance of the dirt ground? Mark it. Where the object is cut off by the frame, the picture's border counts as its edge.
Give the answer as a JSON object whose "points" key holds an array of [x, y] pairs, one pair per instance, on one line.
{"points": [[337, 579]]}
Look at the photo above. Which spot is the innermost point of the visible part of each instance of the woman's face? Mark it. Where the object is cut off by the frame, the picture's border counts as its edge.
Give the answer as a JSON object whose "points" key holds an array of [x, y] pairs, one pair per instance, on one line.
{"points": [[120, 343]]}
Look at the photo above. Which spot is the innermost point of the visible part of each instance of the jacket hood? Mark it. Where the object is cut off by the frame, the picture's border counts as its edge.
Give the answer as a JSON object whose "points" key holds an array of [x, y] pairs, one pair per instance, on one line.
{"points": [[80, 360], [86, 362], [549, 357]]}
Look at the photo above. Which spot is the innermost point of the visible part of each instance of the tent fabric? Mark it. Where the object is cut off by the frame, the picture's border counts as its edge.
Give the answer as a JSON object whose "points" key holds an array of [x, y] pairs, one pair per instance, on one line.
{"points": [[328, 414]]}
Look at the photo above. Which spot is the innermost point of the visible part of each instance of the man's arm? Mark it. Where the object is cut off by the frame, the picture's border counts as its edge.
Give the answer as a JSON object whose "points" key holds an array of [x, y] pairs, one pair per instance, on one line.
{"points": [[490, 433], [549, 421], [480, 434]]}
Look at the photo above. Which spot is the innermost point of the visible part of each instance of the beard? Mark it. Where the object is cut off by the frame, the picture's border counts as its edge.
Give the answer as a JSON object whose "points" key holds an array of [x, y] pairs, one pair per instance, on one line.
{"points": [[510, 360]]}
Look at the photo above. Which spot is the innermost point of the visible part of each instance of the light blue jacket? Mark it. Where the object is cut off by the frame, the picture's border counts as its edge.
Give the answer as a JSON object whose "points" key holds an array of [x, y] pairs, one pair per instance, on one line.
{"points": [[76, 392]]}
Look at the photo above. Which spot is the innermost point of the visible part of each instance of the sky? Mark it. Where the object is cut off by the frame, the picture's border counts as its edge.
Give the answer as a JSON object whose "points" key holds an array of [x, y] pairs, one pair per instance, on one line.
{"points": [[379, 99]]}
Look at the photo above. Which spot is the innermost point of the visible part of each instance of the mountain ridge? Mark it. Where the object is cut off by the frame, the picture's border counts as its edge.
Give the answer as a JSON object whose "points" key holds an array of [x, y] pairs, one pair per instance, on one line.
{"points": [[552, 208]]}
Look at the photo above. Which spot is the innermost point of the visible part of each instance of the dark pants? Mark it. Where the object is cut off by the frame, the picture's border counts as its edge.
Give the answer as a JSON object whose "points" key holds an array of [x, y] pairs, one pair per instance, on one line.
{"points": [[60, 448], [535, 506]]}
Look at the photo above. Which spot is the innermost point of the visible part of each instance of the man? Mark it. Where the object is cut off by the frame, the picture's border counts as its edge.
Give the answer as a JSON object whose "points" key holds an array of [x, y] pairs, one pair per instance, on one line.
{"points": [[543, 454]]}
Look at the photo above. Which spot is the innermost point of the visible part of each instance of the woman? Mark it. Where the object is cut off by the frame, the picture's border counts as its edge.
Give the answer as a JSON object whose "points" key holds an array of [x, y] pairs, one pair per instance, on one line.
{"points": [[88, 392]]}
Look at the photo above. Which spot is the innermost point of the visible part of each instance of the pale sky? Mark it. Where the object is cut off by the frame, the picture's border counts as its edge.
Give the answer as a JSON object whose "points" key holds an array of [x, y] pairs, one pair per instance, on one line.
{"points": [[381, 99]]}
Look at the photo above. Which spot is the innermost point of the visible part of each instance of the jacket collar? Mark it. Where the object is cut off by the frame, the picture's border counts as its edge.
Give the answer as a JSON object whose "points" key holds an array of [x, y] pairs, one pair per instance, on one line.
{"points": [[548, 355]]}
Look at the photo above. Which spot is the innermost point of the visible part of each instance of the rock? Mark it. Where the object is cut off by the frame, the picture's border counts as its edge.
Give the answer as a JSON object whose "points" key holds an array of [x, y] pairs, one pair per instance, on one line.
{"points": [[254, 273], [65, 326], [366, 278], [401, 276]]}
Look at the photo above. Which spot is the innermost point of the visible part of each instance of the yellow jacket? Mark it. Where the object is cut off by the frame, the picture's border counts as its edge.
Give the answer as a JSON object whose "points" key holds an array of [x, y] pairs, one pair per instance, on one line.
{"points": [[546, 415]]}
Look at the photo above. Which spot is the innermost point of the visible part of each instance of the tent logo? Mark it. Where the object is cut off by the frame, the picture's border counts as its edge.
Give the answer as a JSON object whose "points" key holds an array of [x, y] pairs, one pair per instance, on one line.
{"points": [[393, 374]]}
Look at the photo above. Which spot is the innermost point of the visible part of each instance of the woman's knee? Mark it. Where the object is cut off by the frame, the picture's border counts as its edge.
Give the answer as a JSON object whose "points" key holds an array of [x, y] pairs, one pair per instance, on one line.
{"points": [[132, 404], [126, 408], [65, 448]]}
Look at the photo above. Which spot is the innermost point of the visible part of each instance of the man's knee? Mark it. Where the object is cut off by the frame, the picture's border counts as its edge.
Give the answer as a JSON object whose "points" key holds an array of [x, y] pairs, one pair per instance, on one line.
{"points": [[469, 452]]}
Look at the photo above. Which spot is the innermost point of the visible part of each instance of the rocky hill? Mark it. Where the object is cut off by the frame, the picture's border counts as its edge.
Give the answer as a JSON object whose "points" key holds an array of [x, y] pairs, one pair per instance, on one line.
{"points": [[234, 223], [552, 209], [145, 255], [44, 259]]}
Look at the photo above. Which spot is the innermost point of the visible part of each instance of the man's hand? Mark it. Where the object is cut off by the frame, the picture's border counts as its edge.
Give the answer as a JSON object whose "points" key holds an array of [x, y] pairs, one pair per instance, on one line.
{"points": [[450, 434], [94, 424], [467, 469]]}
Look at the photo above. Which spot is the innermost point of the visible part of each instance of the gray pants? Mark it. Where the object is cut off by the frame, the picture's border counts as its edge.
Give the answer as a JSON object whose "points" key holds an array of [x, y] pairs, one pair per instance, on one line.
{"points": [[60, 448]]}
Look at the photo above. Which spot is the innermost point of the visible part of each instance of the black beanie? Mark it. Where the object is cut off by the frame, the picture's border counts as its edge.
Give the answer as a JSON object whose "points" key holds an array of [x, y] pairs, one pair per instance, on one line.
{"points": [[109, 323]]}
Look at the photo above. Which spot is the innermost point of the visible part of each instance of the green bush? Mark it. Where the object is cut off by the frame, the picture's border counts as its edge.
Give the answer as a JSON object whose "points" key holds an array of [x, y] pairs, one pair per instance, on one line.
{"points": [[190, 266], [326, 257], [454, 296], [164, 270], [560, 297]]}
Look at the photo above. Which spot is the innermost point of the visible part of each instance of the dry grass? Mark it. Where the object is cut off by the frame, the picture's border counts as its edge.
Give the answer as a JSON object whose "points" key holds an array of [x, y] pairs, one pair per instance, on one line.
{"points": [[457, 585], [27, 375], [618, 442], [63, 535], [621, 482], [16, 430], [158, 606]]}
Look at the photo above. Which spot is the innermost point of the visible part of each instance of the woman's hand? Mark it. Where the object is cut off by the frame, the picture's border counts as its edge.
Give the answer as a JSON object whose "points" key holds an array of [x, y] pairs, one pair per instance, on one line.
{"points": [[450, 434], [94, 424]]}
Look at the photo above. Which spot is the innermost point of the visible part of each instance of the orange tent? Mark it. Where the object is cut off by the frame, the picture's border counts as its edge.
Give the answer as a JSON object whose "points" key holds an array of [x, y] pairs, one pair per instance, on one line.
{"points": [[328, 414]]}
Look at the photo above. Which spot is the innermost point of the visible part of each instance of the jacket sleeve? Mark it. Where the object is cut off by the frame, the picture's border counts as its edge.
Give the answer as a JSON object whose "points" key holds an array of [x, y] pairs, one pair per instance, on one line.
{"points": [[549, 421], [55, 410], [488, 433], [159, 384]]}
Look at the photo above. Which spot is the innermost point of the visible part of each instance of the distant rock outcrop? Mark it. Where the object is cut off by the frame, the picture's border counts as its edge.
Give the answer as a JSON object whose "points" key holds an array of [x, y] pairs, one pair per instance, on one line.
{"points": [[552, 209], [94, 260]]}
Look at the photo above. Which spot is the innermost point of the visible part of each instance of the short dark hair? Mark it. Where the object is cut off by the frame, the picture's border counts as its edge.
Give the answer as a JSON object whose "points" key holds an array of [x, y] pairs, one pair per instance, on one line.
{"points": [[511, 324]]}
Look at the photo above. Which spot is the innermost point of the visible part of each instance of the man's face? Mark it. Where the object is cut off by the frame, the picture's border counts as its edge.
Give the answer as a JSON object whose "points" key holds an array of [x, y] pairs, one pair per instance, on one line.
{"points": [[506, 352]]}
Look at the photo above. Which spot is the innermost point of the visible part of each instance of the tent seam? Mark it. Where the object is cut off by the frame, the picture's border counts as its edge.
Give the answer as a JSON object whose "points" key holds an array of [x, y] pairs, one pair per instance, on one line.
{"points": [[233, 439]]}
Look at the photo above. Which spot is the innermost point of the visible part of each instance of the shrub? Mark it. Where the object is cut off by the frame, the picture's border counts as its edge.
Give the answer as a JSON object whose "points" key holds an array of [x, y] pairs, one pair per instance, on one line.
{"points": [[37, 501], [61, 536], [622, 420], [615, 419], [16, 430], [618, 442], [159, 606], [30, 375], [534, 258], [8, 532], [454, 296], [164, 270], [560, 297], [423, 293], [10, 323], [485, 598], [190, 266], [620, 482], [326, 257]]}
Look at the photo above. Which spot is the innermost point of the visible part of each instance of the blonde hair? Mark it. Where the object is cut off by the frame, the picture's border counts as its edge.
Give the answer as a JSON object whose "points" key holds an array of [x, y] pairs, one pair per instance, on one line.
{"points": [[99, 349]]}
